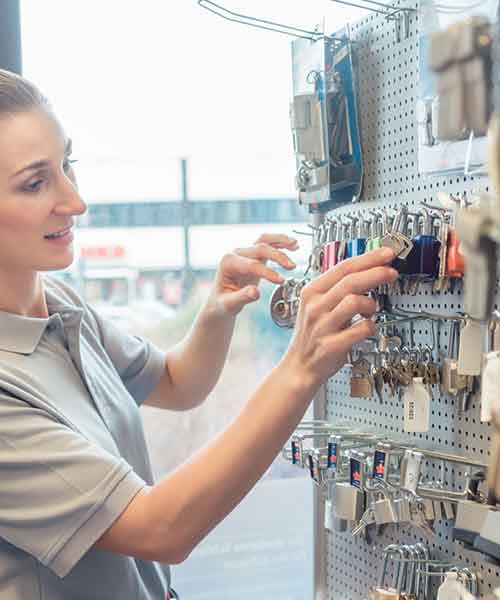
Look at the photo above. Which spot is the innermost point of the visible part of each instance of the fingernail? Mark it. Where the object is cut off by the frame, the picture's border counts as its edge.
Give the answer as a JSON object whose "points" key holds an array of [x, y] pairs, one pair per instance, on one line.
{"points": [[291, 264]]}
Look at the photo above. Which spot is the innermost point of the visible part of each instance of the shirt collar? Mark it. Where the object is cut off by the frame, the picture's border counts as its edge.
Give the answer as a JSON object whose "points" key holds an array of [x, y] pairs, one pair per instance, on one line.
{"points": [[22, 334]]}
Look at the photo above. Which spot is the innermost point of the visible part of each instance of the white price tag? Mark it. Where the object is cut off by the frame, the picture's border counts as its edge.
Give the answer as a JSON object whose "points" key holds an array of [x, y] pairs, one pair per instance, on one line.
{"points": [[417, 404], [471, 348]]}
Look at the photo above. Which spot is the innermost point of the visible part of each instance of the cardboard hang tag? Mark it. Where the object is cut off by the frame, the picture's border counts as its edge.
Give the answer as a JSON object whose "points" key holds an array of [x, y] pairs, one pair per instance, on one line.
{"points": [[417, 407]]}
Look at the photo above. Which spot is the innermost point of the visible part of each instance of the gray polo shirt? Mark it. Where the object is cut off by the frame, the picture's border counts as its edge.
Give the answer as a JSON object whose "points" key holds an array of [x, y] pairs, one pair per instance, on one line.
{"points": [[72, 452]]}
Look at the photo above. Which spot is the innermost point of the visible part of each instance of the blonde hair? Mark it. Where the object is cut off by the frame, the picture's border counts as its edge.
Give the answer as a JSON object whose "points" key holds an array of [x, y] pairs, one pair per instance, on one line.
{"points": [[17, 94]]}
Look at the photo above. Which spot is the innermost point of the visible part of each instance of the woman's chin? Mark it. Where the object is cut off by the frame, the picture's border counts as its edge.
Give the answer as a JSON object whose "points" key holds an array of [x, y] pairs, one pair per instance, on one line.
{"points": [[59, 263]]}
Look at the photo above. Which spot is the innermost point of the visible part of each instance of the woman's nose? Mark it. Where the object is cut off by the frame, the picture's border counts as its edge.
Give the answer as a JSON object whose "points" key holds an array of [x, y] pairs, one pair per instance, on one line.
{"points": [[70, 201]]}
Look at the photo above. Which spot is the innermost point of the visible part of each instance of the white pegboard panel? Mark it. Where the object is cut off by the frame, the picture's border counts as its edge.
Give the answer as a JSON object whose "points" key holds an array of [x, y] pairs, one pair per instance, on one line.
{"points": [[387, 73]]}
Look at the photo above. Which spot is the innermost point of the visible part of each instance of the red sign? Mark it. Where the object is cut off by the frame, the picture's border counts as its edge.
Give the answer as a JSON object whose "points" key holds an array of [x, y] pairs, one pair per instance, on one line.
{"points": [[103, 252]]}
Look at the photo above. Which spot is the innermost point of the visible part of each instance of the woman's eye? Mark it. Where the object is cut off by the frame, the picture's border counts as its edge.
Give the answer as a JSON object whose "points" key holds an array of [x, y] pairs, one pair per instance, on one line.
{"points": [[34, 186]]}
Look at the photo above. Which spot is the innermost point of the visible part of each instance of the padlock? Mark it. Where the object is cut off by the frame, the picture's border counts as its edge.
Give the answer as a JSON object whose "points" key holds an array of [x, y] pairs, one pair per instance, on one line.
{"points": [[362, 384], [351, 245], [384, 509], [348, 502], [455, 262], [398, 240], [373, 241], [284, 303], [343, 242], [331, 246], [358, 243], [393, 592], [423, 260], [349, 497]]}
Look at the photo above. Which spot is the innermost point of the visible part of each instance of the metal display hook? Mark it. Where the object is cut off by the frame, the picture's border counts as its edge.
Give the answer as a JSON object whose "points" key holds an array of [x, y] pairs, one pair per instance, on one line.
{"points": [[235, 17], [390, 11]]}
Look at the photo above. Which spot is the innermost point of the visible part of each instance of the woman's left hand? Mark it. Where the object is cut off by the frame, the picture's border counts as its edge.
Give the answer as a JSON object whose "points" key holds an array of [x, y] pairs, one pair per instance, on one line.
{"points": [[240, 271]]}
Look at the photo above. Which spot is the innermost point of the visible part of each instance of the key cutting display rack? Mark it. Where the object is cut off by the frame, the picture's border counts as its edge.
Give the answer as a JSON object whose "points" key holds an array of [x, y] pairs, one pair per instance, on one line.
{"points": [[387, 74]]}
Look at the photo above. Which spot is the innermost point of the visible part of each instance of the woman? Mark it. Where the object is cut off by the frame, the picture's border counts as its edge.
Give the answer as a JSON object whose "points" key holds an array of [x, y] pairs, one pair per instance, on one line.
{"points": [[80, 515]]}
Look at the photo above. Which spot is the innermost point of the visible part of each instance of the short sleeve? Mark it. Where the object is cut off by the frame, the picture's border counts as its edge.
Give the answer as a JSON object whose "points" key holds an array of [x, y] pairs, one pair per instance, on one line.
{"points": [[139, 363], [59, 492]]}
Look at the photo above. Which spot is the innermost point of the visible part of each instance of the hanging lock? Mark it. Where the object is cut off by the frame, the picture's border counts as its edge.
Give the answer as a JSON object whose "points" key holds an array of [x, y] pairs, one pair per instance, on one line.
{"points": [[317, 463], [362, 384], [423, 260], [398, 240], [357, 243], [344, 232], [455, 261], [384, 509], [374, 239], [349, 497], [393, 592], [332, 245], [284, 303]]}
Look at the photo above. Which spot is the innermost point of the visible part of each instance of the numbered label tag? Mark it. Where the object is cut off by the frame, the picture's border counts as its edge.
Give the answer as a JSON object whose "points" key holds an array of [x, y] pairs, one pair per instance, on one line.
{"points": [[417, 407]]}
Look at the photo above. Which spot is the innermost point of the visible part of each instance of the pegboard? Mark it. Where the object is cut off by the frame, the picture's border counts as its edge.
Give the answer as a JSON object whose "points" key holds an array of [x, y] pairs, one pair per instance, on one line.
{"points": [[387, 73]]}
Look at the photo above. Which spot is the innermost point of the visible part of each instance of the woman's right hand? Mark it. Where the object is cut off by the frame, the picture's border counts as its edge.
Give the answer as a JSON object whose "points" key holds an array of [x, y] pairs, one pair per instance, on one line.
{"points": [[323, 335]]}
